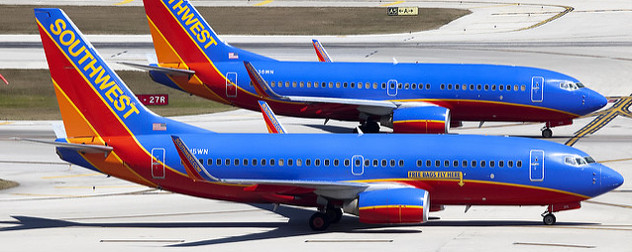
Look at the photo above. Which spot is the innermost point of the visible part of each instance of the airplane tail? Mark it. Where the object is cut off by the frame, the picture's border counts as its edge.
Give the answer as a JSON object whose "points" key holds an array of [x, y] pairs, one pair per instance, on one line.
{"points": [[183, 39], [93, 100]]}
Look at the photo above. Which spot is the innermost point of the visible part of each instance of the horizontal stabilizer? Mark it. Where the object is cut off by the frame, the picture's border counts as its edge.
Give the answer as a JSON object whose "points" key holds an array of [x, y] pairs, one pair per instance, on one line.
{"points": [[192, 165], [166, 70], [85, 148]]}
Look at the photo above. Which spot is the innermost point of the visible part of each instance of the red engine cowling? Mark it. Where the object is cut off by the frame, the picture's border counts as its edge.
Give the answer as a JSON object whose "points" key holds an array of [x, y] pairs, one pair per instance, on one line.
{"points": [[399, 205], [426, 119]]}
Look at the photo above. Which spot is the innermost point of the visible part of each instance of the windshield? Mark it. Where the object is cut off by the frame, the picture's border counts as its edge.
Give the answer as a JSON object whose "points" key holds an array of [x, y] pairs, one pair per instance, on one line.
{"points": [[578, 161], [570, 86], [589, 159]]}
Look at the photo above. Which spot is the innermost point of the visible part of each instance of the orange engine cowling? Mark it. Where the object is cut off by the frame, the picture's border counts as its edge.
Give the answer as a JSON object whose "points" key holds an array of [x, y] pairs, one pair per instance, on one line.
{"points": [[426, 119], [399, 205]]}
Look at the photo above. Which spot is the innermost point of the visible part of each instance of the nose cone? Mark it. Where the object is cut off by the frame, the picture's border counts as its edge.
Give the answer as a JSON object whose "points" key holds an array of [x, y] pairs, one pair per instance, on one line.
{"points": [[610, 179], [593, 101]]}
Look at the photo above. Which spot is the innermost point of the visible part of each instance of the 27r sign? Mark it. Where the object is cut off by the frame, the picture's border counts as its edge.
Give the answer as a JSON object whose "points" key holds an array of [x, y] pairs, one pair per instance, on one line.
{"points": [[154, 99]]}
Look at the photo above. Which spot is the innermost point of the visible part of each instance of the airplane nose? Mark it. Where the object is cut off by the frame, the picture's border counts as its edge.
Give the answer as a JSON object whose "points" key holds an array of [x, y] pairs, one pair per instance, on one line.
{"points": [[610, 179], [595, 100]]}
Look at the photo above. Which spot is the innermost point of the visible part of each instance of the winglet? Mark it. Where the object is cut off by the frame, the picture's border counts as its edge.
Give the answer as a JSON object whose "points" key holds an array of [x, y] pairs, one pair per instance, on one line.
{"points": [[192, 165], [323, 56], [5, 80], [272, 123], [261, 86]]}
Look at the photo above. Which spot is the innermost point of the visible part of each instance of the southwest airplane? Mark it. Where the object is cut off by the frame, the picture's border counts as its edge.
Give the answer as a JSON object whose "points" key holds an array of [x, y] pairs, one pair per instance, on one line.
{"points": [[382, 178], [410, 98]]}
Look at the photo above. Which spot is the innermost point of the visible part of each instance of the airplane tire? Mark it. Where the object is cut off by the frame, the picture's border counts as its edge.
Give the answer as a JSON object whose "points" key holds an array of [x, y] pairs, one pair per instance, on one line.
{"points": [[334, 215], [547, 133], [549, 219], [319, 222]]}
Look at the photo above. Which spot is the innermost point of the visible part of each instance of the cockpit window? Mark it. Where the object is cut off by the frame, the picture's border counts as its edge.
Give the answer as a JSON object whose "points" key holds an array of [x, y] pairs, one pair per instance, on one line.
{"points": [[589, 160], [570, 86], [578, 161]]}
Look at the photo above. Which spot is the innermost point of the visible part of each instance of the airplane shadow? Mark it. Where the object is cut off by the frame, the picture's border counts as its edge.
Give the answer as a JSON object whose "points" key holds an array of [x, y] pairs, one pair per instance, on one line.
{"points": [[295, 226], [330, 128]]}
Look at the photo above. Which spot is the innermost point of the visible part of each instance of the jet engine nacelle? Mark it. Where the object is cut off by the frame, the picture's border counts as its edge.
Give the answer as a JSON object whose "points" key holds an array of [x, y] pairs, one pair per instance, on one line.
{"points": [[399, 205], [426, 119]]}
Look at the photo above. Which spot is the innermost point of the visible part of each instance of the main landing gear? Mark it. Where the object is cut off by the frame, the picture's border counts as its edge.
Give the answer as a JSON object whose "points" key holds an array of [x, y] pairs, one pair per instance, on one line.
{"points": [[547, 132], [369, 127], [320, 221], [548, 218]]}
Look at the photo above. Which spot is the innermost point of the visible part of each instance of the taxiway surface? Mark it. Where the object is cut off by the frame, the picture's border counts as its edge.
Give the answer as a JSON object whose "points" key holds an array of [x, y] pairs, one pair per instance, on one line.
{"points": [[58, 206]]}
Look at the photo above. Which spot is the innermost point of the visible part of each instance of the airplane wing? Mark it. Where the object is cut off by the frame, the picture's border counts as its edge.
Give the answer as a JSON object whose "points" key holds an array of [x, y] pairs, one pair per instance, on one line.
{"points": [[376, 107], [332, 189], [323, 56], [86, 148], [166, 70]]}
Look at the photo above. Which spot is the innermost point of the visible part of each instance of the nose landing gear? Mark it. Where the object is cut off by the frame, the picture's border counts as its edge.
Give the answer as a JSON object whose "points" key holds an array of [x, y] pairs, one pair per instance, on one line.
{"points": [[546, 132]]}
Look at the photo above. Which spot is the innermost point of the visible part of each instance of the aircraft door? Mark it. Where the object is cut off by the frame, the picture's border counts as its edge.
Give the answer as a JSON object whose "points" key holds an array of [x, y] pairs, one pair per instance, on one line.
{"points": [[536, 165], [231, 84], [391, 88], [357, 165], [158, 168], [537, 89]]}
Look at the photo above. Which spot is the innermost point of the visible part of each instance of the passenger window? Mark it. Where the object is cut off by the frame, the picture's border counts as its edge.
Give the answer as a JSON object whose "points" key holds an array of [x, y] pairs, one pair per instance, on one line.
{"points": [[437, 163], [500, 87], [299, 162], [455, 163], [508, 88], [337, 84], [479, 87], [367, 85], [519, 164], [254, 162], [406, 86], [287, 84], [383, 85], [399, 86], [464, 87], [245, 162], [446, 163], [347, 162], [428, 163], [336, 162], [326, 162], [392, 162], [352, 84], [413, 86], [360, 85], [471, 86], [323, 84], [236, 162], [374, 85], [331, 85], [449, 86], [367, 163], [272, 162], [464, 163], [442, 87], [376, 163], [515, 87], [227, 162], [501, 163], [401, 163], [473, 163], [523, 88], [201, 161], [344, 85], [419, 163], [384, 162], [290, 162], [486, 87], [316, 162], [457, 86], [263, 162], [510, 163], [428, 86], [308, 162], [492, 164], [281, 162], [293, 84], [218, 162], [309, 84], [301, 84], [273, 84], [483, 163], [209, 162]]}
